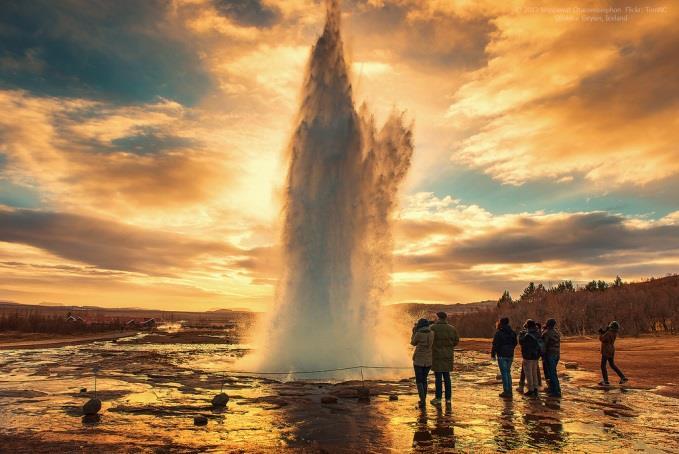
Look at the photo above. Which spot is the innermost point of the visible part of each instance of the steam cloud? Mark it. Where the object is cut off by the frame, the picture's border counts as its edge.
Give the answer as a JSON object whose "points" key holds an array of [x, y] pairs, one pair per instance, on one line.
{"points": [[341, 189]]}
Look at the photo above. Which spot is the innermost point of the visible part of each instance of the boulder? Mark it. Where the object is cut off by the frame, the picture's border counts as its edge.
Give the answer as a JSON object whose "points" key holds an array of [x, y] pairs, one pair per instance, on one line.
{"points": [[92, 407], [328, 400], [571, 365], [200, 420], [220, 400]]}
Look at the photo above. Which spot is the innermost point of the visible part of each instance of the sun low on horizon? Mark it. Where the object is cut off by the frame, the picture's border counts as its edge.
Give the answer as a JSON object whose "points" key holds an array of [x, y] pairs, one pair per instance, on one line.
{"points": [[143, 144]]}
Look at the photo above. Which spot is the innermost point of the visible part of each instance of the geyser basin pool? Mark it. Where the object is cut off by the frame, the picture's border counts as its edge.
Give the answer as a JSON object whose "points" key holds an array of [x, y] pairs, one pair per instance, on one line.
{"points": [[341, 188]]}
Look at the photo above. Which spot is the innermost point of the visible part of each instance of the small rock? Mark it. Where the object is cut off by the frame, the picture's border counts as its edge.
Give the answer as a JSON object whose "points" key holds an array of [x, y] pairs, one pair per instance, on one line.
{"points": [[393, 397], [83, 390], [363, 394], [200, 420], [328, 400], [498, 377], [92, 407], [220, 400], [571, 365]]}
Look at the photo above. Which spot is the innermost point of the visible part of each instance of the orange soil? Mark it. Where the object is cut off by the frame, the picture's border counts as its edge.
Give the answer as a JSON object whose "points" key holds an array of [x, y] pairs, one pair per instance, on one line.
{"points": [[650, 362]]}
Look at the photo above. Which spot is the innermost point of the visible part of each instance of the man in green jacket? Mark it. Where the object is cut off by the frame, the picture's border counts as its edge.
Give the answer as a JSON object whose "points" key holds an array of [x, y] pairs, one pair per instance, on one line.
{"points": [[445, 340]]}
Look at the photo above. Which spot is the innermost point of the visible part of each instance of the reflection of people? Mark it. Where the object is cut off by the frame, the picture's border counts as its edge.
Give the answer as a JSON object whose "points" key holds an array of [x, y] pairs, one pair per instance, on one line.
{"points": [[504, 343], [552, 339], [423, 340], [530, 352], [445, 340], [422, 436], [544, 429], [607, 337], [506, 436]]}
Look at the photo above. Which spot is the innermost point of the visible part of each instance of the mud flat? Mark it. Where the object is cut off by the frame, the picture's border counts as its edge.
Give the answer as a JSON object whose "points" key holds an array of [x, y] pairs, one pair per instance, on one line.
{"points": [[649, 361], [152, 390], [33, 340]]}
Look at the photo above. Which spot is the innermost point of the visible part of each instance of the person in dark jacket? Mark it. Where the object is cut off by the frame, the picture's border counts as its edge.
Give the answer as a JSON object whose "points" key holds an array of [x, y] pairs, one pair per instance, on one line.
{"points": [[607, 337], [530, 351], [522, 377], [504, 343], [552, 341]]}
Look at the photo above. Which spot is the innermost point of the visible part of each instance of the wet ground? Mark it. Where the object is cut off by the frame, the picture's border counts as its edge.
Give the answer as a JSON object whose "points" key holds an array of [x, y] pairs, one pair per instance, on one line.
{"points": [[152, 389]]}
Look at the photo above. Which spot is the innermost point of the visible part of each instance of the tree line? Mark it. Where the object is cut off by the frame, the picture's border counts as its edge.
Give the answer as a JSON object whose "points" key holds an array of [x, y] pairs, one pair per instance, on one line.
{"points": [[35, 322], [651, 306]]}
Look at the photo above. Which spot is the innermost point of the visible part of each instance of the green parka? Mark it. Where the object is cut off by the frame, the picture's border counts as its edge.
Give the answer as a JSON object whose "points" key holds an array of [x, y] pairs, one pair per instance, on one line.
{"points": [[445, 340]]}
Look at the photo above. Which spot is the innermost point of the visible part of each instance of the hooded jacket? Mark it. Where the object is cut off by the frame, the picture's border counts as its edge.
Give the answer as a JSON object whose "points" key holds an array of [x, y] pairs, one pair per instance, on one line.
{"points": [[504, 342], [530, 347], [423, 340], [445, 340]]}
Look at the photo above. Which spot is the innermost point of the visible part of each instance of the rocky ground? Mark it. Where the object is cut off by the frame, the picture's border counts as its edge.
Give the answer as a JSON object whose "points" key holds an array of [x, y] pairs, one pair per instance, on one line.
{"points": [[152, 388]]}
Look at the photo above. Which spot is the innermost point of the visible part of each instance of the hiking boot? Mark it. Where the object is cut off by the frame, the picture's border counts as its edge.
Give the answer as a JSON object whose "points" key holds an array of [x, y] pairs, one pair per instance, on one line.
{"points": [[519, 389], [435, 401], [624, 380], [604, 383], [530, 393], [555, 395], [505, 395]]}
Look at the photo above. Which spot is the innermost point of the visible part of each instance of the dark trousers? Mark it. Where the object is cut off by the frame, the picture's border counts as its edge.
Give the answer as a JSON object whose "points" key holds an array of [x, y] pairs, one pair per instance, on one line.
{"points": [[421, 373], [551, 361], [604, 372], [442, 377]]}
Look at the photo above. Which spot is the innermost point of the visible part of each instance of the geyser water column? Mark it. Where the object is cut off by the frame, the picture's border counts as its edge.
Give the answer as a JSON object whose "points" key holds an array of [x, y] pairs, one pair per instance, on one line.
{"points": [[340, 192]]}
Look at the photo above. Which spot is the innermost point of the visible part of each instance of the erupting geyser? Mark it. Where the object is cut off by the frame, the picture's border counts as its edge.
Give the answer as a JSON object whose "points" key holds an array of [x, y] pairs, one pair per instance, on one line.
{"points": [[340, 192]]}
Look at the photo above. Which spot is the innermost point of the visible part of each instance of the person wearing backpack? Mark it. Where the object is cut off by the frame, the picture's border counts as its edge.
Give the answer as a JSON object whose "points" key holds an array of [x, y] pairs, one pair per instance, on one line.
{"points": [[531, 345]]}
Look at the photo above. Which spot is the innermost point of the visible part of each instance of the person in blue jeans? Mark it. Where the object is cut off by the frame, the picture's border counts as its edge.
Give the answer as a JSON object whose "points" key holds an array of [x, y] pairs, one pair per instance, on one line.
{"points": [[445, 340], [504, 343], [552, 340]]}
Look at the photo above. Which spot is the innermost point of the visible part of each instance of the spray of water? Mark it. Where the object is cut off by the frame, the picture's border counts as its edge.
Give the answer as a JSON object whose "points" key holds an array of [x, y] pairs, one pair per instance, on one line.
{"points": [[340, 193]]}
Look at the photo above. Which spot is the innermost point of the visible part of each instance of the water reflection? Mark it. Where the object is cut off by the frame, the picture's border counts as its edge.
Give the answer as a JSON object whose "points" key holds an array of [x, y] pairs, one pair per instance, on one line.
{"points": [[543, 425], [440, 434], [158, 389], [506, 437]]}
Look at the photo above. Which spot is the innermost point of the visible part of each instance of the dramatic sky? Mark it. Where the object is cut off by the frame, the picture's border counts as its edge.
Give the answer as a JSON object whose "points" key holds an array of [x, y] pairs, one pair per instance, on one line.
{"points": [[142, 144]]}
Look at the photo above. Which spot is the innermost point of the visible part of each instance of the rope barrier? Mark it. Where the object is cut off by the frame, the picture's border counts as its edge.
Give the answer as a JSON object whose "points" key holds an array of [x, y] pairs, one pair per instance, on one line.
{"points": [[304, 372]]}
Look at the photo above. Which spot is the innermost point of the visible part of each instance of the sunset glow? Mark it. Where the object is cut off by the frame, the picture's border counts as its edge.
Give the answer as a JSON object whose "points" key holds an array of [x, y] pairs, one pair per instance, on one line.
{"points": [[142, 151]]}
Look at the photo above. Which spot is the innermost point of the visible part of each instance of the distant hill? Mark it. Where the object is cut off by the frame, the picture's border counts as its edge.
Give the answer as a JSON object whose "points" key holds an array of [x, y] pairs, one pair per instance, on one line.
{"points": [[428, 310]]}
